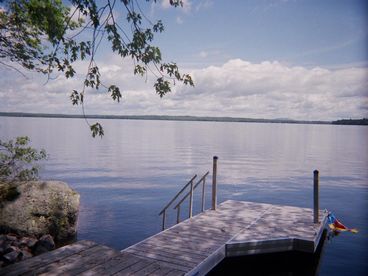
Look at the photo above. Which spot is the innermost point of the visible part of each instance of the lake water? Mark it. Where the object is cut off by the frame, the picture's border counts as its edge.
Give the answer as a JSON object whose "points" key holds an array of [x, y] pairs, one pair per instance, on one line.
{"points": [[127, 177]]}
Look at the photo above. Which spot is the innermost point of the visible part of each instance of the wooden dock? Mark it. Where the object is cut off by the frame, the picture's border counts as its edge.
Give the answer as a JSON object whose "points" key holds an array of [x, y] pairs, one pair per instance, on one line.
{"points": [[192, 247]]}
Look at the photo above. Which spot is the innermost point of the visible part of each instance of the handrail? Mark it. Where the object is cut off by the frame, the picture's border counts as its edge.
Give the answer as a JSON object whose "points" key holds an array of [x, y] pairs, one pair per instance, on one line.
{"points": [[163, 212], [203, 180], [195, 186], [175, 197], [191, 192]]}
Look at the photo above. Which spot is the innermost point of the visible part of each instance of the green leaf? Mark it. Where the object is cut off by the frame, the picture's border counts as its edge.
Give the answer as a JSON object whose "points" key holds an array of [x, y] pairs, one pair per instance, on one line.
{"points": [[115, 93], [162, 87], [97, 129]]}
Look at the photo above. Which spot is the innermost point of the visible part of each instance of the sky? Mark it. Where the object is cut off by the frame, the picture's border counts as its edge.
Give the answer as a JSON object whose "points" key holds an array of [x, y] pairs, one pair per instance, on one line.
{"points": [[295, 59]]}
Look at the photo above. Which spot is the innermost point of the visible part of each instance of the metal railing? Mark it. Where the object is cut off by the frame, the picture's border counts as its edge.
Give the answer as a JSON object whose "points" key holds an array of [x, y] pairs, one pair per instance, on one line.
{"points": [[163, 211], [190, 194]]}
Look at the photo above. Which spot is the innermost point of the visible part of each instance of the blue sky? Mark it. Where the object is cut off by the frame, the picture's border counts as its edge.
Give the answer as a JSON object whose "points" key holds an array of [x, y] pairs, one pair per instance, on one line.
{"points": [[259, 59], [312, 33]]}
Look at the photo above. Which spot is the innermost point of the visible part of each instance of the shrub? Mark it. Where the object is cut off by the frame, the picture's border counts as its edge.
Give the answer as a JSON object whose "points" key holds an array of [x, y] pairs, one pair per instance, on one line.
{"points": [[17, 160]]}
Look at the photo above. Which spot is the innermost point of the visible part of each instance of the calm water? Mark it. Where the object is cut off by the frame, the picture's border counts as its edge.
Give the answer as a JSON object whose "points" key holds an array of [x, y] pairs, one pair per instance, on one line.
{"points": [[126, 178]]}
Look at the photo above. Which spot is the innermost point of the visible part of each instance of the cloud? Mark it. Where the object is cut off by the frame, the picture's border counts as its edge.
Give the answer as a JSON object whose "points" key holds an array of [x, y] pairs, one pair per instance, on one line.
{"points": [[203, 54], [165, 4], [274, 90], [188, 6], [203, 5], [236, 88], [179, 20], [210, 54]]}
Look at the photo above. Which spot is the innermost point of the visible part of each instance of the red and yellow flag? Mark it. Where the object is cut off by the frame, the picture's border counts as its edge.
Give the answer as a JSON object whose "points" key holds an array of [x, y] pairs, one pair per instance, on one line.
{"points": [[336, 225]]}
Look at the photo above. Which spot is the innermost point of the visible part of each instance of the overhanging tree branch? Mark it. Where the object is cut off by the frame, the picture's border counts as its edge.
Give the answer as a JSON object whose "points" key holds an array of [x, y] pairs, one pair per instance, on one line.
{"points": [[45, 36]]}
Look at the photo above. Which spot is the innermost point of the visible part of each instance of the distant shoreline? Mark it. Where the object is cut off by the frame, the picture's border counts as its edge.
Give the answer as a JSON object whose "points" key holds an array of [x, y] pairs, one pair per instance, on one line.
{"points": [[184, 118]]}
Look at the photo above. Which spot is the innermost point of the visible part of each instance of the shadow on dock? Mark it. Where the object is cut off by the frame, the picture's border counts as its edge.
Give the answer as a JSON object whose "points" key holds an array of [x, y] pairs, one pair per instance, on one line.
{"points": [[275, 264]]}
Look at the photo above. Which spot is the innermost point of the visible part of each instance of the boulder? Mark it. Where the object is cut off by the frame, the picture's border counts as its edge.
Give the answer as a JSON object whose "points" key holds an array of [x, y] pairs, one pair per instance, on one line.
{"points": [[12, 256], [25, 254], [28, 241], [14, 248], [47, 242], [42, 207]]}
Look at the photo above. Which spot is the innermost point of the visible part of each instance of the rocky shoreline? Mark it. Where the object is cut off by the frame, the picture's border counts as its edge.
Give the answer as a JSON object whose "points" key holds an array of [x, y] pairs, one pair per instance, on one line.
{"points": [[35, 215], [14, 248]]}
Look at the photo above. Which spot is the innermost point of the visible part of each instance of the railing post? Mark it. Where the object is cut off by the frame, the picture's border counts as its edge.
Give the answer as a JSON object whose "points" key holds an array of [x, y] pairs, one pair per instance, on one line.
{"points": [[203, 190], [214, 184], [163, 220], [178, 215], [315, 196], [191, 200]]}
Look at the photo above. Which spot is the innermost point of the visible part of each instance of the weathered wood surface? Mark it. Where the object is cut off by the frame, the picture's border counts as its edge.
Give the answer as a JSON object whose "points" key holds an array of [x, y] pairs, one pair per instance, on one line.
{"points": [[235, 228], [192, 247], [88, 258]]}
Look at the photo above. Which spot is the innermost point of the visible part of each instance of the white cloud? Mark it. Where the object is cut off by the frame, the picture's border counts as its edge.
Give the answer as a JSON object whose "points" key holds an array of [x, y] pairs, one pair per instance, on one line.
{"points": [[179, 20], [165, 4], [189, 5], [210, 54], [273, 90], [237, 88], [203, 5], [203, 54]]}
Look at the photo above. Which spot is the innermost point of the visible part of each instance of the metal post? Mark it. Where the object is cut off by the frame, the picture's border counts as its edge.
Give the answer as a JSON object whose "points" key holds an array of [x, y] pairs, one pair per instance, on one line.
{"points": [[214, 184], [203, 190], [163, 220], [178, 215], [191, 200], [315, 196]]}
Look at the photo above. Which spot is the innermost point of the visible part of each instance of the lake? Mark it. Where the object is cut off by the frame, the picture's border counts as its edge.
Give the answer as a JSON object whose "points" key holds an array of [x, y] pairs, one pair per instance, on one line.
{"points": [[127, 177]]}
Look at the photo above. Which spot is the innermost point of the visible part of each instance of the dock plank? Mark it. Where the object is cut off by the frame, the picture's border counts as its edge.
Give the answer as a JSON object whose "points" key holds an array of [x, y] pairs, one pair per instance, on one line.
{"points": [[166, 271], [45, 259], [175, 248], [185, 236], [133, 269], [165, 262], [170, 252], [202, 249], [79, 262], [185, 265], [150, 269], [113, 265]]}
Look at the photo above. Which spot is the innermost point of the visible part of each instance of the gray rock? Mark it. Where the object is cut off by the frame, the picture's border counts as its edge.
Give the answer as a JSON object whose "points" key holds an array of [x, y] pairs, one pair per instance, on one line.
{"points": [[25, 254], [28, 241], [11, 248], [47, 241], [3, 246], [40, 249], [43, 207], [11, 257], [2, 241], [11, 238]]}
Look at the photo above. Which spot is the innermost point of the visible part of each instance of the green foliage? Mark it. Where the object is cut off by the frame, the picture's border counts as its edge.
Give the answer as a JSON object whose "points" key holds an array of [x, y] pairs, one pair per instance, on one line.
{"points": [[25, 25], [97, 129], [51, 35], [17, 160]]}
